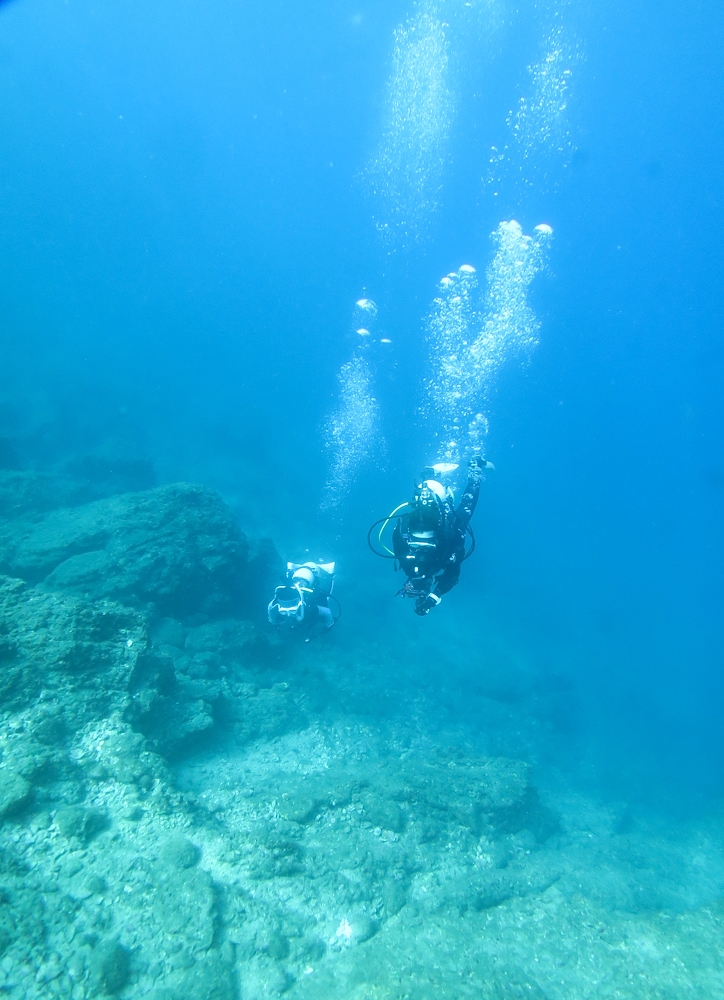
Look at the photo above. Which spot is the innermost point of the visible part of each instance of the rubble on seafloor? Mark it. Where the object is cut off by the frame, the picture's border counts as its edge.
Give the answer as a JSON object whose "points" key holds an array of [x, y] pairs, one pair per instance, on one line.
{"points": [[178, 822]]}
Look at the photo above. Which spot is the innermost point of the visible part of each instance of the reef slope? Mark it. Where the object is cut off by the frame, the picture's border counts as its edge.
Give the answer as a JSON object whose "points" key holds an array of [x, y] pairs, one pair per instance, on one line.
{"points": [[178, 822]]}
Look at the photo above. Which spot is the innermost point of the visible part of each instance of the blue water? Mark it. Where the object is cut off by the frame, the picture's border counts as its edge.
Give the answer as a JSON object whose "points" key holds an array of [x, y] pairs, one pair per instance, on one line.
{"points": [[192, 199]]}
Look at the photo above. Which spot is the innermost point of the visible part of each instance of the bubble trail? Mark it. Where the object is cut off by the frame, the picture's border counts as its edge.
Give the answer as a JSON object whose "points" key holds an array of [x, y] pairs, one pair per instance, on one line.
{"points": [[469, 341], [450, 326], [352, 430], [406, 170], [538, 130]]}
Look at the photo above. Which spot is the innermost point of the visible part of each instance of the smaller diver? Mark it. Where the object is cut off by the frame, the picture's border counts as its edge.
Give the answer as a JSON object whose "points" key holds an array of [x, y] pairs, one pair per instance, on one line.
{"points": [[428, 540], [302, 603]]}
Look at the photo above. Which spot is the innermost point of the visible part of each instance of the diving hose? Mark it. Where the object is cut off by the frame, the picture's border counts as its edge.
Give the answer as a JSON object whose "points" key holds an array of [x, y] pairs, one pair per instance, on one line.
{"points": [[384, 521]]}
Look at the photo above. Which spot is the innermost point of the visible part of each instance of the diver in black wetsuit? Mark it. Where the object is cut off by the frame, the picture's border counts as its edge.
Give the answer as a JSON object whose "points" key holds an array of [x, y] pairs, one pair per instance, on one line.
{"points": [[429, 541]]}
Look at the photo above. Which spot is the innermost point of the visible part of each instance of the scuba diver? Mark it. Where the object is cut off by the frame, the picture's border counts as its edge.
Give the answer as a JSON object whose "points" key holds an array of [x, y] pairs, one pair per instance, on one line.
{"points": [[302, 603], [428, 540]]}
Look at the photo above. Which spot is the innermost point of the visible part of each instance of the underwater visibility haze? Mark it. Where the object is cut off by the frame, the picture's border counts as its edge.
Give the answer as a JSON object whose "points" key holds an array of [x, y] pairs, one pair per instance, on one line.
{"points": [[279, 280]]}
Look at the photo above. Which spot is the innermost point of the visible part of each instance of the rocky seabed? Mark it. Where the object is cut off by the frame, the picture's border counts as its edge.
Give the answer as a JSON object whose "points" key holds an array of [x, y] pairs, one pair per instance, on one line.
{"points": [[178, 822]]}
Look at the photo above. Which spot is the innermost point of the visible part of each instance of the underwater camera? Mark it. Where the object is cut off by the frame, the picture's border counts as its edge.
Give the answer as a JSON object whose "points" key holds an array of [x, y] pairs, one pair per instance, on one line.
{"points": [[290, 601]]}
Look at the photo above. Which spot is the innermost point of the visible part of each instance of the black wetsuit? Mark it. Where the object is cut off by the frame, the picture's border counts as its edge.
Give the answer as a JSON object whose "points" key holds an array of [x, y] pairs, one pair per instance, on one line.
{"points": [[436, 568]]}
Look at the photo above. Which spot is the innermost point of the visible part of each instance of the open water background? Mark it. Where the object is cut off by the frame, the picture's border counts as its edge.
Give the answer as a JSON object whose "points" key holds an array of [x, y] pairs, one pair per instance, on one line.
{"points": [[185, 226]]}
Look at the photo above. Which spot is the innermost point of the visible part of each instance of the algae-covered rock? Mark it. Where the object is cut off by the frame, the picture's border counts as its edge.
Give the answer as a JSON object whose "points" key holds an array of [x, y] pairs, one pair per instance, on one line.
{"points": [[179, 705], [493, 795], [177, 547], [84, 653], [273, 943], [278, 853], [20, 914], [385, 813], [184, 906], [230, 639], [169, 632], [109, 967], [207, 979], [362, 927], [527, 812], [14, 793], [171, 716], [179, 852], [81, 823], [299, 808]]}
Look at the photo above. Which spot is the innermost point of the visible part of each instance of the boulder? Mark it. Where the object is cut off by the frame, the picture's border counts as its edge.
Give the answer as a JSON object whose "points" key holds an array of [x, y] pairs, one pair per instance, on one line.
{"points": [[110, 967], [177, 547], [80, 823], [80, 656], [179, 852], [207, 979], [14, 792]]}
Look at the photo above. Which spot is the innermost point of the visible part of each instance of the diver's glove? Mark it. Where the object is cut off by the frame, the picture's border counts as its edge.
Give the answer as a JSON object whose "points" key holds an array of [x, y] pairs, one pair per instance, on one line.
{"points": [[478, 464], [423, 605]]}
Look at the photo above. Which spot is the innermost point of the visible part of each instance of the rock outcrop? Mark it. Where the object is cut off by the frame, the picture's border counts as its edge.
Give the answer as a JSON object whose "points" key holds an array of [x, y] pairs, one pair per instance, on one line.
{"points": [[177, 548], [100, 889], [177, 824]]}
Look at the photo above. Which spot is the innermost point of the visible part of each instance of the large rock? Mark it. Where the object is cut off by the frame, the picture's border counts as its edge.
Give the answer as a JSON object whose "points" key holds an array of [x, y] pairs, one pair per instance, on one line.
{"points": [[177, 547], [14, 792], [68, 659]]}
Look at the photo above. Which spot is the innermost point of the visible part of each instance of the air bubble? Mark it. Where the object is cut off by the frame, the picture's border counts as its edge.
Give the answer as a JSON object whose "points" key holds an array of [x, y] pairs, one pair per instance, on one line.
{"points": [[469, 339]]}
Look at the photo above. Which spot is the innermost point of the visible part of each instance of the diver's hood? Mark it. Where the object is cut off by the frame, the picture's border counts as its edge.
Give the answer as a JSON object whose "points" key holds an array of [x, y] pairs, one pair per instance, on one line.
{"points": [[304, 578]]}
